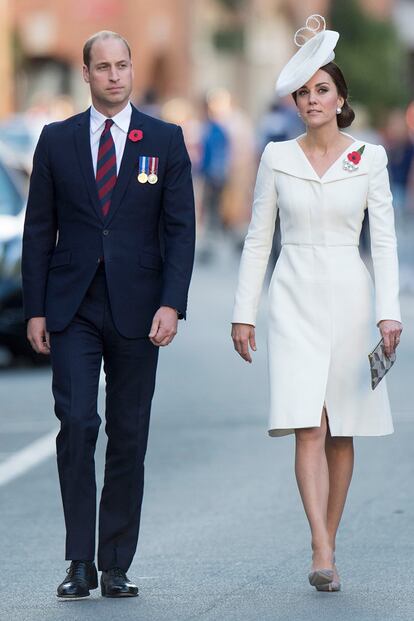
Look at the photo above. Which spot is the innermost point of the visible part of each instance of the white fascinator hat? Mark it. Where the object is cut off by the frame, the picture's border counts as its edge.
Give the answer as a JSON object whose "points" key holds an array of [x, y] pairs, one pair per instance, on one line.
{"points": [[316, 49]]}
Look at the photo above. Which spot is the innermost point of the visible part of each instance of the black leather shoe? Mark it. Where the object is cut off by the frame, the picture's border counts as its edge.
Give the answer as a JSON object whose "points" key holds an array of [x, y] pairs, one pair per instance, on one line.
{"points": [[115, 583], [82, 576]]}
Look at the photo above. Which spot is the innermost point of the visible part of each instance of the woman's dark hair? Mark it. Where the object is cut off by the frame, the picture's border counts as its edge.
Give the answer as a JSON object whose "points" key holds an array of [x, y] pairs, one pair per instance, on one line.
{"points": [[347, 115]]}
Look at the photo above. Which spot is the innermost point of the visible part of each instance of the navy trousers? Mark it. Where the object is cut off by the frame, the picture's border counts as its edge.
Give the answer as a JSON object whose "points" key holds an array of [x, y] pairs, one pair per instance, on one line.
{"points": [[130, 368]]}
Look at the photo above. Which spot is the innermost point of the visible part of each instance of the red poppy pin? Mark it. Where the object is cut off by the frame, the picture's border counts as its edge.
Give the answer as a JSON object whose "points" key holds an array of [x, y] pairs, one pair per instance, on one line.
{"points": [[135, 135], [352, 159]]}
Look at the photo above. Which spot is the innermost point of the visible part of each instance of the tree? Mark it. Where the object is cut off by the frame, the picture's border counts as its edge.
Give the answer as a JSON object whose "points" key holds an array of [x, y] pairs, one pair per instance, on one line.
{"points": [[372, 59]]}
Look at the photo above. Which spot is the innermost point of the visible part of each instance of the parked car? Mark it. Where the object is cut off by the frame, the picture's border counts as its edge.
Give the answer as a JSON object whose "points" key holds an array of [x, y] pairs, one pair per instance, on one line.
{"points": [[12, 208], [18, 138]]}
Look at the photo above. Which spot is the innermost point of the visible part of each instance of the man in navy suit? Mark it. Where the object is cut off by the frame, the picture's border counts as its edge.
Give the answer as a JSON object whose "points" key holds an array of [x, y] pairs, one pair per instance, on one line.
{"points": [[107, 258]]}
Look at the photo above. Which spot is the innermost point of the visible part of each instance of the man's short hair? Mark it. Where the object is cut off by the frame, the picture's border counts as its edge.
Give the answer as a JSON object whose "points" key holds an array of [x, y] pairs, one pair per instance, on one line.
{"points": [[102, 34]]}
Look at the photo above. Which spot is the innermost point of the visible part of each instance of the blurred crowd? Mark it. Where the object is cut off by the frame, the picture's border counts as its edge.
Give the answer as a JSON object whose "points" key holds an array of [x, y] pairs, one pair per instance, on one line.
{"points": [[225, 146]]}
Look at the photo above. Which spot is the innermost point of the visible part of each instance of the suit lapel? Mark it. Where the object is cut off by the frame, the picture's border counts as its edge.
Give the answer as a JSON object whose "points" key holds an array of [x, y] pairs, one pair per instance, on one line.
{"points": [[129, 162], [83, 145]]}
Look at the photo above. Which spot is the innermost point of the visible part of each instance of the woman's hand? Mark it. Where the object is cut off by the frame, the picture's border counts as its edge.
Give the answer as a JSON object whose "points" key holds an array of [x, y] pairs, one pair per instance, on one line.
{"points": [[243, 335], [390, 332]]}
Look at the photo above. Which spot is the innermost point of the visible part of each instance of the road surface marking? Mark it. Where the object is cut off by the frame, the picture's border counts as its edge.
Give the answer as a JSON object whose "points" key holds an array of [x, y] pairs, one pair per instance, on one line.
{"points": [[28, 458], [33, 454]]}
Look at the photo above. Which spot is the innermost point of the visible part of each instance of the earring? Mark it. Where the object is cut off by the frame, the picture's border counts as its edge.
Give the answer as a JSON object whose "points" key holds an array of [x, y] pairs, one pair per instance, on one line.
{"points": [[299, 114], [338, 110]]}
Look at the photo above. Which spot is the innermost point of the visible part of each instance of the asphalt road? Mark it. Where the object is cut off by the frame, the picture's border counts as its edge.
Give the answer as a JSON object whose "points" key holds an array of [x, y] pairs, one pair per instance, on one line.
{"points": [[223, 534]]}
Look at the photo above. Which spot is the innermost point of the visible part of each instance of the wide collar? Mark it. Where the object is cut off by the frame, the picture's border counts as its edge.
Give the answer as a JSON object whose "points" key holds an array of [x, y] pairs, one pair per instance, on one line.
{"points": [[122, 119], [132, 151], [289, 158]]}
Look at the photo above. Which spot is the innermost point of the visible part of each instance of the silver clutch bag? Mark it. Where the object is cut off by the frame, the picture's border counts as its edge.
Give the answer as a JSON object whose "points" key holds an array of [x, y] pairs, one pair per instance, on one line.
{"points": [[380, 363]]}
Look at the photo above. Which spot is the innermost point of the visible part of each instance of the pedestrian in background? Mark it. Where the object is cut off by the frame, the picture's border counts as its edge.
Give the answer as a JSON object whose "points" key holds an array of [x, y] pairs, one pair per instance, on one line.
{"points": [[279, 122], [321, 311], [238, 192], [214, 172], [400, 150], [107, 258]]}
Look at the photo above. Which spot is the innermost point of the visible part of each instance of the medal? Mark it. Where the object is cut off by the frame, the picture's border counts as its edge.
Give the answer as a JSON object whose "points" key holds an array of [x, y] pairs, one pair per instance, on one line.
{"points": [[143, 165], [153, 170], [148, 169]]}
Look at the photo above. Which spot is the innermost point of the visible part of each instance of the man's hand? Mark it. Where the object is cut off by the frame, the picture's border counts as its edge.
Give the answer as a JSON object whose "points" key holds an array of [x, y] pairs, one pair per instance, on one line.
{"points": [[37, 335], [164, 326], [243, 335], [390, 332]]}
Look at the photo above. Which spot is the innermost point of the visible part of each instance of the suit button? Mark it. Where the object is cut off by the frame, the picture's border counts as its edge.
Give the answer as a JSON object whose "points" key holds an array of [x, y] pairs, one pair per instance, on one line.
{"points": [[105, 232]]}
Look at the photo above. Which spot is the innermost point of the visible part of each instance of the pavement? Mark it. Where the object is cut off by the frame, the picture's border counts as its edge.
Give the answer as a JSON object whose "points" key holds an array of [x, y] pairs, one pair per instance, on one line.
{"points": [[223, 534]]}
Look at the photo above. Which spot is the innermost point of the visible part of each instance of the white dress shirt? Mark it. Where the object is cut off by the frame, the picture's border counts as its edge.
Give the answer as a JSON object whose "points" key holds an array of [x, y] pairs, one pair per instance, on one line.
{"points": [[119, 131]]}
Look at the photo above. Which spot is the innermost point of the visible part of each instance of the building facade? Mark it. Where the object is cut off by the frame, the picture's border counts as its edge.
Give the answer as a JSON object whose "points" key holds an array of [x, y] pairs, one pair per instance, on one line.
{"points": [[49, 36]]}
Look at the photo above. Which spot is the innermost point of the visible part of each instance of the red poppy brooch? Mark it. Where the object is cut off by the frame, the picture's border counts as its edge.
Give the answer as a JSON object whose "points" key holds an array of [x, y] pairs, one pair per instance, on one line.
{"points": [[350, 163], [135, 135]]}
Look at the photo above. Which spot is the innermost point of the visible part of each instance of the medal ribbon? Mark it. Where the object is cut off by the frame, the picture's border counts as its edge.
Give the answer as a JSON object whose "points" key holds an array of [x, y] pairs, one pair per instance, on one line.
{"points": [[144, 164], [153, 165]]}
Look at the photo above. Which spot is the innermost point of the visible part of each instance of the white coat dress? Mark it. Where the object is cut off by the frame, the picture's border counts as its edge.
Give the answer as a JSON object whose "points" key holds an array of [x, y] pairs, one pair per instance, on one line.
{"points": [[323, 313]]}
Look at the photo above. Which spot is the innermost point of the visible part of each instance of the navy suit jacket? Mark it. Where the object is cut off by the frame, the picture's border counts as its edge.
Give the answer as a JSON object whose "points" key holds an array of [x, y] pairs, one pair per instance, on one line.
{"points": [[146, 240]]}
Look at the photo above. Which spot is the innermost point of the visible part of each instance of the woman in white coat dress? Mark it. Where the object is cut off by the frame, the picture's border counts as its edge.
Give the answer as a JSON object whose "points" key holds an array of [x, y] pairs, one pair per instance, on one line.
{"points": [[322, 313]]}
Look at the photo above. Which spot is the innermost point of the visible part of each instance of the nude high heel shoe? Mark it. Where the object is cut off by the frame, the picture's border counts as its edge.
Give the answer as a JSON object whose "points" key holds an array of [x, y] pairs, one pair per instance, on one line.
{"points": [[332, 587], [321, 577]]}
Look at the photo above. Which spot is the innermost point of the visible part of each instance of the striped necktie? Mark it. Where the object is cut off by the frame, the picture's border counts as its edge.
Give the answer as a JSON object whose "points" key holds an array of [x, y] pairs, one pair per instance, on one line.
{"points": [[106, 167]]}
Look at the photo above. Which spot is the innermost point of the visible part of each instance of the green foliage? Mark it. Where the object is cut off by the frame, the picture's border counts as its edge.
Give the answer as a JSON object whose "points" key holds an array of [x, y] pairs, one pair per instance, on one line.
{"points": [[229, 37], [229, 40], [232, 5], [371, 57]]}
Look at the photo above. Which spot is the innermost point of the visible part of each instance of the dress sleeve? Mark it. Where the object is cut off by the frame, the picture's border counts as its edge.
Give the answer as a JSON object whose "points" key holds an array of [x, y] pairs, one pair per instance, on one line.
{"points": [[383, 240], [258, 243]]}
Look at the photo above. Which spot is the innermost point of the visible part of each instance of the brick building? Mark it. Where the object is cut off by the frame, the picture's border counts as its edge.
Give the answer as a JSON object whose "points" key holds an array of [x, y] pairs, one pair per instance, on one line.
{"points": [[48, 36], [180, 47]]}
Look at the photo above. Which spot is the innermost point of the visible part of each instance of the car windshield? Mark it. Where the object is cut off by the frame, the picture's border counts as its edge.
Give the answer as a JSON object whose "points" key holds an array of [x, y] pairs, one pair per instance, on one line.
{"points": [[10, 199]]}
